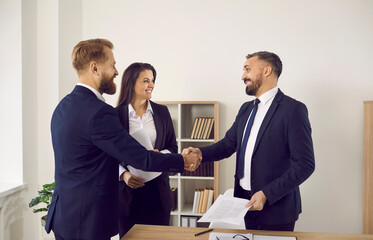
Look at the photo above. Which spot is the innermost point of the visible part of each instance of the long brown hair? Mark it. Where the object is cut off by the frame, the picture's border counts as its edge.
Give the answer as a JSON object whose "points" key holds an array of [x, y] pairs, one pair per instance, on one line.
{"points": [[129, 78]]}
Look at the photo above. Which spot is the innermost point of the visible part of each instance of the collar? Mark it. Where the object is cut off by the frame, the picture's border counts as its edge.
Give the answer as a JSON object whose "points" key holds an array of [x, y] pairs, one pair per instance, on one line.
{"points": [[264, 98], [132, 112], [98, 95]]}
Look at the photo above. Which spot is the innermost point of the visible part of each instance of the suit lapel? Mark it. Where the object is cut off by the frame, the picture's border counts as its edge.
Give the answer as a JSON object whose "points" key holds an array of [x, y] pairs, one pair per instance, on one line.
{"points": [[158, 126], [124, 118], [268, 117], [242, 124]]}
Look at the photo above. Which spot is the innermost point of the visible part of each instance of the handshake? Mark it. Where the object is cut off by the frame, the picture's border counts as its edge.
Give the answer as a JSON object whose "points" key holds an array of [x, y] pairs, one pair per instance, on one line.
{"points": [[192, 158]]}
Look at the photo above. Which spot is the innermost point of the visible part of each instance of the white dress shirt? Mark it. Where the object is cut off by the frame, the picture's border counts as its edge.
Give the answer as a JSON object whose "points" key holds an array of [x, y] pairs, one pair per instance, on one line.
{"points": [[265, 102], [136, 123]]}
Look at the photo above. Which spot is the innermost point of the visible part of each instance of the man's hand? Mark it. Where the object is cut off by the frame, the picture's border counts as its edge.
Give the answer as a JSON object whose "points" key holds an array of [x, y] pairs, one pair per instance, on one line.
{"points": [[257, 201], [194, 150], [133, 181], [192, 159]]}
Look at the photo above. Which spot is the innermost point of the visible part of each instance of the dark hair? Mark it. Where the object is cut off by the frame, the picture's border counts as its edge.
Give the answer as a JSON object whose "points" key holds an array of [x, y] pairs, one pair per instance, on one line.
{"points": [[129, 78], [270, 58], [89, 50]]}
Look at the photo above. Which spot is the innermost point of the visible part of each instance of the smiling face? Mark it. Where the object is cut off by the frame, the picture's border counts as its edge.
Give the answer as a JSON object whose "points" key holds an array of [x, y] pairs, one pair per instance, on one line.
{"points": [[253, 76], [144, 85]]}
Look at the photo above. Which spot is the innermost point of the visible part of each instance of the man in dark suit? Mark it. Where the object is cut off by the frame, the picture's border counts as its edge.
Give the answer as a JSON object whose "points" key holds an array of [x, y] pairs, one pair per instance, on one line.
{"points": [[89, 142], [272, 138]]}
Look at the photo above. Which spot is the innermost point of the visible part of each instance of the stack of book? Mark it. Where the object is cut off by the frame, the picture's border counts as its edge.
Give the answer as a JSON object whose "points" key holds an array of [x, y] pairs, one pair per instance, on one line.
{"points": [[202, 200], [206, 169], [202, 127]]}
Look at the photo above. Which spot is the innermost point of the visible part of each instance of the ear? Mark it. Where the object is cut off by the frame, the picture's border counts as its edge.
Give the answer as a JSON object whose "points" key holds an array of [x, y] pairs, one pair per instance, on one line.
{"points": [[93, 67], [268, 71]]}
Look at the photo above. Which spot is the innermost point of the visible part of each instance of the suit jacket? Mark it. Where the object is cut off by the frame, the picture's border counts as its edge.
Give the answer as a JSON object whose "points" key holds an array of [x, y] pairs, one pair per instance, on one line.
{"points": [[165, 140], [89, 142], [282, 157]]}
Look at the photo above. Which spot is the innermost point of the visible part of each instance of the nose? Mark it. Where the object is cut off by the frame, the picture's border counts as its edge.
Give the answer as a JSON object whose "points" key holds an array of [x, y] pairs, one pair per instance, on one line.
{"points": [[243, 77]]}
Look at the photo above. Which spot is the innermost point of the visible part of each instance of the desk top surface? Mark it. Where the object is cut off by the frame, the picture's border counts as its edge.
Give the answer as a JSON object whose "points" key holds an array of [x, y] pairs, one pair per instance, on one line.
{"points": [[187, 233]]}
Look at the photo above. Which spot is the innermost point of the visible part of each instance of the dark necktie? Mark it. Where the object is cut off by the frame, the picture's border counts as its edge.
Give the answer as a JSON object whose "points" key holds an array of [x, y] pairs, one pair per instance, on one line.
{"points": [[241, 160]]}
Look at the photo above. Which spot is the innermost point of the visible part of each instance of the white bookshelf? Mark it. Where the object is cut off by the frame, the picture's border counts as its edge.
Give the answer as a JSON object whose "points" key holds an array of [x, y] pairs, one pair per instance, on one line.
{"points": [[183, 114]]}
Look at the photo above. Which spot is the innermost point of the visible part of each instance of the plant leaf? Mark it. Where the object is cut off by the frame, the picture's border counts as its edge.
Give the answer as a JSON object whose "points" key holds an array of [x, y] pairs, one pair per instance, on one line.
{"points": [[39, 210]]}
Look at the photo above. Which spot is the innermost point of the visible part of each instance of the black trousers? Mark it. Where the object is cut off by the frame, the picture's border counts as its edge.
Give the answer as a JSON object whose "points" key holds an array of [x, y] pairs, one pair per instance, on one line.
{"points": [[146, 208], [252, 222]]}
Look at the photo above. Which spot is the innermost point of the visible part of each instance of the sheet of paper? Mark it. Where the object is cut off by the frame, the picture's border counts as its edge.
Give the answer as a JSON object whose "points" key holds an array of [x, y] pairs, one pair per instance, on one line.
{"points": [[228, 236], [226, 209], [144, 140], [267, 237]]}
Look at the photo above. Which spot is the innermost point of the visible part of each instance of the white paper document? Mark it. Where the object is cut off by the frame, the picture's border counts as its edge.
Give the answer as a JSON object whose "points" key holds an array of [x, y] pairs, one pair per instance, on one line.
{"points": [[144, 140], [229, 236], [226, 209], [246, 236]]}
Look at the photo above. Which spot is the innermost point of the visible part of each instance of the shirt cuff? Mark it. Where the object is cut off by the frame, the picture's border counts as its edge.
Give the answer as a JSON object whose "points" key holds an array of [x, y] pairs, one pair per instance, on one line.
{"points": [[121, 171]]}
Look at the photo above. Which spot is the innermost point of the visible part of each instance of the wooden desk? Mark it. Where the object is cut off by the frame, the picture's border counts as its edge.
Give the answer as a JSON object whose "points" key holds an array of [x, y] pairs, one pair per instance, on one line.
{"points": [[187, 233]]}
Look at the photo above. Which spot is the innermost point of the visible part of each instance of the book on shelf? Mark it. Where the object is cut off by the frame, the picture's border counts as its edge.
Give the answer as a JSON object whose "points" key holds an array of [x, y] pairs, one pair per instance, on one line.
{"points": [[197, 128], [188, 221], [211, 197], [202, 200], [205, 130], [173, 198], [208, 135], [195, 201], [194, 127], [184, 221], [192, 221], [206, 169], [205, 199], [197, 195], [202, 128]]}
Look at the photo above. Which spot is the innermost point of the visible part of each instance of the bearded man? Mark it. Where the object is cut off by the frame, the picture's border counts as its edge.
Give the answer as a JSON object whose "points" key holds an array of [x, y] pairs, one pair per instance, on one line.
{"points": [[272, 138], [89, 142]]}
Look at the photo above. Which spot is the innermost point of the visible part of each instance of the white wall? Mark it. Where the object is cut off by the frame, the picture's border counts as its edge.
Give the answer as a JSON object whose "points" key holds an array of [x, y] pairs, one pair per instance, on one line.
{"points": [[11, 101], [199, 47], [18, 161], [48, 82]]}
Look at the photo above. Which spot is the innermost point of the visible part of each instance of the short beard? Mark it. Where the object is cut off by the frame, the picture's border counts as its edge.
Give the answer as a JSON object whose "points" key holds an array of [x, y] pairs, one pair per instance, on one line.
{"points": [[253, 89], [107, 85]]}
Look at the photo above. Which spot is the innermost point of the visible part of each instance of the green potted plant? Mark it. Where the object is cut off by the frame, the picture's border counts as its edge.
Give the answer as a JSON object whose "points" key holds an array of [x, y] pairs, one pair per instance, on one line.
{"points": [[45, 196]]}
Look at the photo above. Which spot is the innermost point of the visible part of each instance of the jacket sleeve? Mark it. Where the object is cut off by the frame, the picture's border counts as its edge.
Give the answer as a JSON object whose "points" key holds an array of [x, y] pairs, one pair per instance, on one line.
{"points": [[226, 146], [108, 134]]}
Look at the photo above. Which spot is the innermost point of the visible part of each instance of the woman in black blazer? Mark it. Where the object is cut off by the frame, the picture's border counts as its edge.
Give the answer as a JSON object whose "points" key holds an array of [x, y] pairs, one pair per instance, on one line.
{"points": [[144, 202]]}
